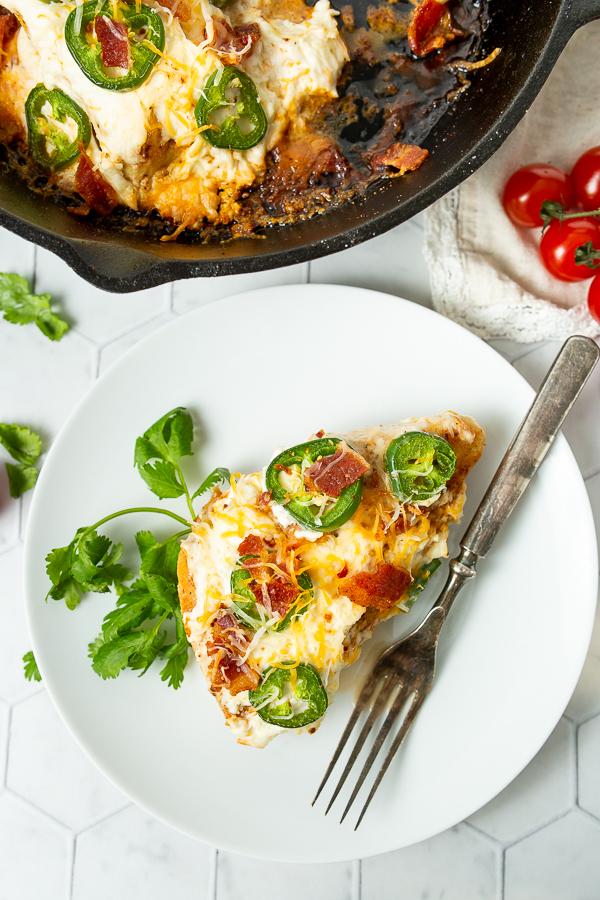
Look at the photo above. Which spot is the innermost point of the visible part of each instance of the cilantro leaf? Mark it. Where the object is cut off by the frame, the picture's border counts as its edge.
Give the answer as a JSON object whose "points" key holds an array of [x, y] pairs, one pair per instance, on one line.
{"points": [[211, 480], [162, 479], [31, 671], [127, 616], [20, 307], [111, 657], [158, 559], [176, 655], [20, 478], [149, 649], [168, 439], [22, 443], [88, 563], [24, 446]]}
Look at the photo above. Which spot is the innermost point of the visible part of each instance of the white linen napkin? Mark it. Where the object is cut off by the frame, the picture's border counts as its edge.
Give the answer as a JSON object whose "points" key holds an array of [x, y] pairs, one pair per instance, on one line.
{"points": [[485, 273]]}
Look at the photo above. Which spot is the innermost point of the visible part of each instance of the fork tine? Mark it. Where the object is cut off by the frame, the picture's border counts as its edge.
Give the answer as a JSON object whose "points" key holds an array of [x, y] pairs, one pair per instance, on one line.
{"points": [[380, 701], [402, 732], [363, 699], [400, 700]]}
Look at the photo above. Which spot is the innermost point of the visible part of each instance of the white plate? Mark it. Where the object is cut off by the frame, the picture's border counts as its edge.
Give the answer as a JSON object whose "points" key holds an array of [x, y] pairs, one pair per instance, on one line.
{"points": [[268, 368]]}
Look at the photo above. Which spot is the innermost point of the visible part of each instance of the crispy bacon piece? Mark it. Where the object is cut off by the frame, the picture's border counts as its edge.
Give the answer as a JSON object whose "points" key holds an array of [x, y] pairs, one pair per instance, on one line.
{"points": [[179, 8], [332, 474], [251, 545], [233, 43], [264, 501], [272, 588], [236, 676], [430, 27], [9, 25], [381, 589], [96, 192], [280, 594], [404, 157], [228, 644], [113, 39]]}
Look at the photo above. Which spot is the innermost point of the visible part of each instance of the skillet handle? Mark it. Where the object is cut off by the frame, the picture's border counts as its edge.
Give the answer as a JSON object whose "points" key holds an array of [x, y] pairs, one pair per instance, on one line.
{"points": [[583, 11]]}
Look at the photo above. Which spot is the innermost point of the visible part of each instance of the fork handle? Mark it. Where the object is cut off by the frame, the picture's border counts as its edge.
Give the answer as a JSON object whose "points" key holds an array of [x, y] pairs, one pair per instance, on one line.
{"points": [[561, 387]]}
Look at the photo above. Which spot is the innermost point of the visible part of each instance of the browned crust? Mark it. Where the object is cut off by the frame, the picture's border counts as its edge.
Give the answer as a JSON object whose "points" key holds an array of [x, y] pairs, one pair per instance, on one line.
{"points": [[185, 583]]}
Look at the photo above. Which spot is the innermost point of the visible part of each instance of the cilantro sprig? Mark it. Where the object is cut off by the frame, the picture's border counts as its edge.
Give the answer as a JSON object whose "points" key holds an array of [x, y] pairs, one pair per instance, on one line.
{"points": [[30, 668], [24, 446], [132, 634], [20, 307]]}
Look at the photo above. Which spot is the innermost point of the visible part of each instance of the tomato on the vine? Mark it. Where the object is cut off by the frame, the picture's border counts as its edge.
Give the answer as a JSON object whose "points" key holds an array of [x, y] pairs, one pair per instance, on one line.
{"points": [[558, 245], [594, 298], [527, 189], [586, 179]]}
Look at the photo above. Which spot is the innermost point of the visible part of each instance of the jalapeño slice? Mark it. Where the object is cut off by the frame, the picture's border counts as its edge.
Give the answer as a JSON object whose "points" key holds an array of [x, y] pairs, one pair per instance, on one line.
{"points": [[419, 465], [246, 610], [246, 110], [49, 146], [307, 697], [301, 505], [148, 32], [420, 582]]}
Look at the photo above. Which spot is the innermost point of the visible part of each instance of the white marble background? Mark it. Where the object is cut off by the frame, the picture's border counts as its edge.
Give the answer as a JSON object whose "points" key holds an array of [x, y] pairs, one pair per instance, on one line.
{"points": [[67, 834]]}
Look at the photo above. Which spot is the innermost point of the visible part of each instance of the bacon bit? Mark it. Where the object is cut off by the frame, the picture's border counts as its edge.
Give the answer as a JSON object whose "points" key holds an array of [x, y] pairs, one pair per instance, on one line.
{"points": [[264, 501], [228, 672], [343, 572], [232, 43], [291, 537], [272, 588], [280, 594], [381, 589], [227, 644], [430, 27], [9, 25], [114, 41], [320, 433], [251, 545], [331, 474], [97, 193], [404, 157], [282, 468], [179, 8]]}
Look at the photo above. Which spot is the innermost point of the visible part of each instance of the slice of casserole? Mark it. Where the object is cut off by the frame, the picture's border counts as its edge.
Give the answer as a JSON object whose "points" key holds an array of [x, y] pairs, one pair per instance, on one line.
{"points": [[289, 570]]}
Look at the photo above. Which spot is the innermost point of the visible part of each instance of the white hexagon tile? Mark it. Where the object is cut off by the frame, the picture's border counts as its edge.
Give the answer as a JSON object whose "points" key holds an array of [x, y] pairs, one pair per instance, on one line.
{"points": [[66, 833]]}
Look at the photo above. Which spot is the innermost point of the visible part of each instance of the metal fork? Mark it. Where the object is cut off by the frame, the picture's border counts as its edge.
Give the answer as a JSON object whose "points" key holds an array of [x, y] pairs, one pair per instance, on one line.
{"points": [[404, 672]]}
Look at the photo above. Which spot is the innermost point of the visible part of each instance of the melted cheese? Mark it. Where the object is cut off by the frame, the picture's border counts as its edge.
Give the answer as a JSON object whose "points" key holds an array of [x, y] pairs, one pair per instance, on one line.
{"points": [[181, 174]]}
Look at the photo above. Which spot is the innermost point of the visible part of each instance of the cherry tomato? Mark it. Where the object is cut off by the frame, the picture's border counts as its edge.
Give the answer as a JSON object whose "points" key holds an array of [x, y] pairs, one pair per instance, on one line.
{"points": [[594, 298], [558, 245], [586, 179], [527, 189]]}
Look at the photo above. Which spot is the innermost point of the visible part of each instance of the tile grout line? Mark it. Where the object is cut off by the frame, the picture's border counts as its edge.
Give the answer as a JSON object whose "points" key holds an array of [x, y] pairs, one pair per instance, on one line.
{"points": [[212, 874], [588, 815], [8, 730], [38, 809], [71, 868], [575, 735], [356, 887]]}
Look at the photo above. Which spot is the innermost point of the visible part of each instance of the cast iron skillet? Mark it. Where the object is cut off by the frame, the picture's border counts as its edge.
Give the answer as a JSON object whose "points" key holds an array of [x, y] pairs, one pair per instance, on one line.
{"points": [[531, 33]]}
